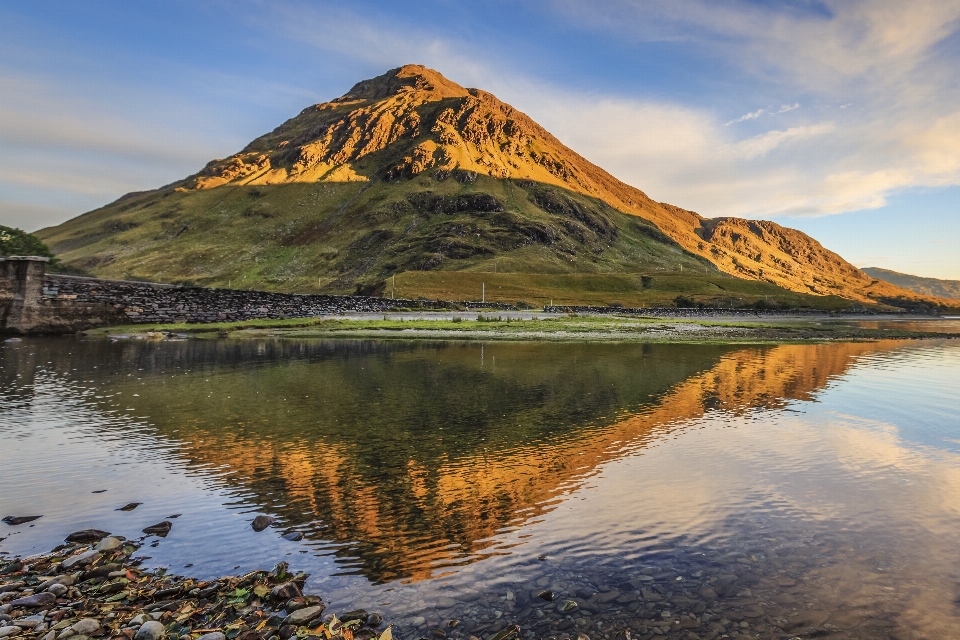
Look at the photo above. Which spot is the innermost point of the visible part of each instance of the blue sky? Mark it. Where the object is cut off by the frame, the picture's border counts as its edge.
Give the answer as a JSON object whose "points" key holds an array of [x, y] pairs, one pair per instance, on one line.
{"points": [[840, 118]]}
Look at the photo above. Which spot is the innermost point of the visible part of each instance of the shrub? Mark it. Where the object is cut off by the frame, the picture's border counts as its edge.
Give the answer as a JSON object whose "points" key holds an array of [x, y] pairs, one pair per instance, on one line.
{"points": [[14, 242]]}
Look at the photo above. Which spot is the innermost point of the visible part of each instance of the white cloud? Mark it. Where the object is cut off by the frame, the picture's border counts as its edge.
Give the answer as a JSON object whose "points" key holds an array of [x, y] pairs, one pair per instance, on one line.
{"points": [[764, 143], [748, 116], [789, 107]]}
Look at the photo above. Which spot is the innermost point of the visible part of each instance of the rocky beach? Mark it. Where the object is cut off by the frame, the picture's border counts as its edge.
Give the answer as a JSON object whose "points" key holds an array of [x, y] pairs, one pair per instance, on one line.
{"points": [[92, 587]]}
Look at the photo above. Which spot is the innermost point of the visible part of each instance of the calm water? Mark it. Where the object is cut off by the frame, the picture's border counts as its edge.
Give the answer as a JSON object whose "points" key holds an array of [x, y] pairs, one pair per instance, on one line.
{"points": [[781, 491]]}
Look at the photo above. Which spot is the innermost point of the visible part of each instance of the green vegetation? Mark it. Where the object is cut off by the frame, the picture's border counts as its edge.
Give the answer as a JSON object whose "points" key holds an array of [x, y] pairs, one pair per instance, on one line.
{"points": [[15, 242], [348, 237], [606, 289], [421, 238]]}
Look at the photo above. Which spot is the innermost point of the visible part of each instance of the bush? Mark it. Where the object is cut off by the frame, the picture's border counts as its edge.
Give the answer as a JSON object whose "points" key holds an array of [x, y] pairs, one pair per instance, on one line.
{"points": [[14, 242]]}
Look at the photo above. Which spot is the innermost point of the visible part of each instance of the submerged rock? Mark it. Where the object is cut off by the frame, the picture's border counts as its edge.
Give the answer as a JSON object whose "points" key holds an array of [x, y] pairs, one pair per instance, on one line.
{"points": [[160, 529], [15, 520], [262, 522], [87, 535]]}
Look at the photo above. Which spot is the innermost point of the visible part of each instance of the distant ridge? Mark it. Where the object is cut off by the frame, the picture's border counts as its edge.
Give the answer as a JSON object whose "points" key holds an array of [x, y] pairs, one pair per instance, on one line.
{"points": [[409, 171], [926, 286]]}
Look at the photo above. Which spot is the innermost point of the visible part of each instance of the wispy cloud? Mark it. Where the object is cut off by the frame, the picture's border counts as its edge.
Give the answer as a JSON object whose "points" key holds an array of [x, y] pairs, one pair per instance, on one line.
{"points": [[789, 107], [753, 115], [764, 143]]}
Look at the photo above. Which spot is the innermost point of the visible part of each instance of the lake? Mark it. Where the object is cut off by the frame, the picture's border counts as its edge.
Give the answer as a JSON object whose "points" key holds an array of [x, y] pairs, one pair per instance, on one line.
{"points": [[661, 489]]}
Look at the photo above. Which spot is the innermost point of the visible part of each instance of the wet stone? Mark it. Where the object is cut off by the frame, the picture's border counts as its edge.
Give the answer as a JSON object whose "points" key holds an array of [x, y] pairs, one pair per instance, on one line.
{"points": [[109, 544], [18, 520], [262, 522], [150, 630], [87, 535], [303, 616], [160, 529], [285, 591]]}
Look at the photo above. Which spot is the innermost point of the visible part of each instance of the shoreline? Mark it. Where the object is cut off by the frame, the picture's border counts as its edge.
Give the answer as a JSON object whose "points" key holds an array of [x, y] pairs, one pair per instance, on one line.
{"points": [[92, 587], [532, 326]]}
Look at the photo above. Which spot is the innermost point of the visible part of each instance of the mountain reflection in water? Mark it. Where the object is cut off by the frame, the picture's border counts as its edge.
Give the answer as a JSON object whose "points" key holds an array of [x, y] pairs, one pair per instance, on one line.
{"points": [[411, 458], [409, 463]]}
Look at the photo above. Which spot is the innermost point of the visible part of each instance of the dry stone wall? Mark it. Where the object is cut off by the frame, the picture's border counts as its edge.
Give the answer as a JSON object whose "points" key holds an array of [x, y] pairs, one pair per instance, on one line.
{"points": [[146, 302]]}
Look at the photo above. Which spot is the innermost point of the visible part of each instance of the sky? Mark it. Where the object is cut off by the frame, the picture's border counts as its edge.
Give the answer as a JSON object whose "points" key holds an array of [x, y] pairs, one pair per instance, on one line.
{"points": [[840, 118]]}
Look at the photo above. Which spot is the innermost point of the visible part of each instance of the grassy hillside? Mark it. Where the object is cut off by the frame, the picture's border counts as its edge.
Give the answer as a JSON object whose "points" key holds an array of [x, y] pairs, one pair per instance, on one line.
{"points": [[926, 286], [334, 237]]}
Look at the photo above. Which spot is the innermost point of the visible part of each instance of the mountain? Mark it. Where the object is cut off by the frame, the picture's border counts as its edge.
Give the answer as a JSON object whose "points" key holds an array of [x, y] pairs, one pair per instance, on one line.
{"points": [[925, 286], [410, 172]]}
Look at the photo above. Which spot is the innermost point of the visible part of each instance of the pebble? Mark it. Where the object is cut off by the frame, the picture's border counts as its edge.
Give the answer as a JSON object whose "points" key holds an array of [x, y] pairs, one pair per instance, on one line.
{"points": [[58, 589], [86, 627], [30, 622], [12, 630], [303, 616], [215, 635], [81, 560], [138, 619], [130, 506], [295, 536], [109, 544], [44, 599], [150, 630], [262, 522], [66, 580], [285, 591]]}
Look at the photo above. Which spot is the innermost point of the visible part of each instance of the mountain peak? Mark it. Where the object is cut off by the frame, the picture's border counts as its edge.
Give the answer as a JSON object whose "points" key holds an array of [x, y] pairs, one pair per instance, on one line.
{"points": [[410, 77], [411, 130]]}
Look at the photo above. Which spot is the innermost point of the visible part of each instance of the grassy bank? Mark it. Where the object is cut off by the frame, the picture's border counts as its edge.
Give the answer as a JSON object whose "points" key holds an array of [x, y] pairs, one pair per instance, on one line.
{"points": [[498, 327], [653, 289]]}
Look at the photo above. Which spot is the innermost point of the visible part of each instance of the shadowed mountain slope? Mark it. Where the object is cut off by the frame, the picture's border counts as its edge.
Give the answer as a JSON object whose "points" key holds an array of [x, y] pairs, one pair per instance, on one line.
{"points": [[410, 171], [924, 286]]}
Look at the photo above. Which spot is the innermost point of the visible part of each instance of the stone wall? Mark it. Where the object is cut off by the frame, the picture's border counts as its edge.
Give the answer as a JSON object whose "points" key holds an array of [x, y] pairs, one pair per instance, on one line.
{"points": [[145, 302]]}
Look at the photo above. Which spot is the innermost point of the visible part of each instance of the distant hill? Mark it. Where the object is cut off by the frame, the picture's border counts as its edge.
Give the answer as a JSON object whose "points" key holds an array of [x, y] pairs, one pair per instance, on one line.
{"points": [[412, 172], [926, 286]]}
